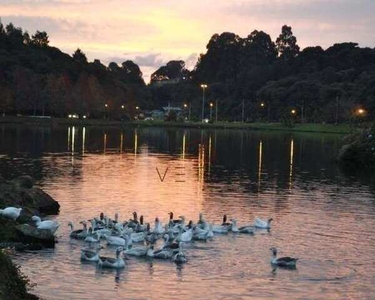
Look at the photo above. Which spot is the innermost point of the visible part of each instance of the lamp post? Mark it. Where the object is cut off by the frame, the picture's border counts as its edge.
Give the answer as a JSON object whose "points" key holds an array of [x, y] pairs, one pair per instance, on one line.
{"points": [[203, 86], [211, 105], [185, 106], [106, 111]]}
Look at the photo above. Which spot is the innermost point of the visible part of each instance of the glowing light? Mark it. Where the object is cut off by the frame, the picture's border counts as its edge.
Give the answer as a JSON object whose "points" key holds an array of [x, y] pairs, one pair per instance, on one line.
{"points": [[185, 105], [106, 105], [361, 111], [211, 104], [84, 117], [204, 86], [122, 106], [262, 104], [293, 111], [137, 107]]}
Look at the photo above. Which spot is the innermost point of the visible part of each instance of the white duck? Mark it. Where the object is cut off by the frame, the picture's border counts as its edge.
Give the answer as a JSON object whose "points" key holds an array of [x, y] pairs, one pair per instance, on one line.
{"points": [[114, 263], [90, 254], [282, 261], [52, 226], [10, 212], [244, 229], [262, 224]]}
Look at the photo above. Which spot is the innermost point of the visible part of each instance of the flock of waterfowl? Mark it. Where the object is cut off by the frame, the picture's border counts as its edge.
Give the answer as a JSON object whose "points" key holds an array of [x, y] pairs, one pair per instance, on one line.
{"points": [[124, 235], [136, 238]]}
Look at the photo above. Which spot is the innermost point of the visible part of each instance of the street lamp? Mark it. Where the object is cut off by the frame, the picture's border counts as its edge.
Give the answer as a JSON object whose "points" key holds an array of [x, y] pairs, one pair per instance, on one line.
{"points": [[203, 86], [293, 111], [361, 111], [262, 104], [137, 107], [185, 106], [211, 105], [122, 106]]}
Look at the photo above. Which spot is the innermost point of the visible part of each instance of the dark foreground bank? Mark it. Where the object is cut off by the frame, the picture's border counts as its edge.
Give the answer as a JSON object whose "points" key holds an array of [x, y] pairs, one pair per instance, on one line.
{"points": [[21, 234]]}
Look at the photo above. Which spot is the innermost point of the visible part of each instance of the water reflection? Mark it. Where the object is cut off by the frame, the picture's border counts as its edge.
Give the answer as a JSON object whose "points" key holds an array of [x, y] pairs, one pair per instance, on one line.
{"points": [[313, 210], [291, 163]]}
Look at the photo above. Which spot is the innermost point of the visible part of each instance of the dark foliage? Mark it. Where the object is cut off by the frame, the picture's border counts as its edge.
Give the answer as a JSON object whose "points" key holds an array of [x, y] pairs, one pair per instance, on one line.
{"points": [[265, 79]]}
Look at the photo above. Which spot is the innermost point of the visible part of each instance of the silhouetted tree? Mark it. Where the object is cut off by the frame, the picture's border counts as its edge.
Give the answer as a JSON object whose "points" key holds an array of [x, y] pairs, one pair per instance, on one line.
{"points": [[286, 43], [40, 39], [79, 56]]}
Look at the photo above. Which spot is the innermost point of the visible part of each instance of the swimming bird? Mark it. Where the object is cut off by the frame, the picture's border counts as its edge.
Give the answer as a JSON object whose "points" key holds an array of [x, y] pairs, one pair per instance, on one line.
{"points": [[173, 222], [244, 229], [92, 237], [158, 229], [79, 233], [10, 212], [114, 263], [90, 254], [52, 226], [134, 251], [115, 240], [169, 245], [162, 253], [225, 223], [282, 261], [220, 228], [262, 224], [180, 257], [187, 235]]}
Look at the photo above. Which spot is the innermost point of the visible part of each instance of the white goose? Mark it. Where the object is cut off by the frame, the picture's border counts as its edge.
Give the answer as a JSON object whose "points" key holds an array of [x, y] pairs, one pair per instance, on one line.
{"points": [[244, 229], [180, 257], [158, 227], [10, 212], [115, 240], [114, 263], [282, 261], [163, 253], [262, 224], [92, 237], [90, 254], [135, 251], [186, 236], [52, 226], [80, 233]]}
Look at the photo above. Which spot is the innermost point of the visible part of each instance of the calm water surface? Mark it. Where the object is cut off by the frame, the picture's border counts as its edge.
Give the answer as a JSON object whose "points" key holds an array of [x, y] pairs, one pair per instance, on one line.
{"points": [[325, 219]]}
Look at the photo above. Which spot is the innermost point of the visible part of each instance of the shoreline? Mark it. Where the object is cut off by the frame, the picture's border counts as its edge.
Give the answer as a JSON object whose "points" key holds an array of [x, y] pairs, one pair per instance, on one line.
{"points": [[344, 128]]}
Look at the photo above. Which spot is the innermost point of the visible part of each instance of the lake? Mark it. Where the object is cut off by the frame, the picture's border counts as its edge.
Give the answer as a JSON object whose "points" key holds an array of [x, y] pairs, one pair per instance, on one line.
{"points": [[321, 216]]}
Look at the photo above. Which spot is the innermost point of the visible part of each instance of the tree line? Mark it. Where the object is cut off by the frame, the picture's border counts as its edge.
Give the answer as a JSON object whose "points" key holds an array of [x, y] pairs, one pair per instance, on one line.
{"points": [[252, 77]]}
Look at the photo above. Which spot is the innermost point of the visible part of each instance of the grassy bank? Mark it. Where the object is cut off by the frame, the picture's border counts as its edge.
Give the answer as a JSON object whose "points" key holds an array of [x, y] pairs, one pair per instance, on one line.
{"points": [[321, 128]]}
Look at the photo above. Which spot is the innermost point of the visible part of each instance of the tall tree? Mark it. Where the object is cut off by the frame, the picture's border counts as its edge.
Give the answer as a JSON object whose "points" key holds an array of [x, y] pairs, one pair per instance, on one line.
{"points": [[40, 38], [79, 56], [286, 43], [2, 30]]}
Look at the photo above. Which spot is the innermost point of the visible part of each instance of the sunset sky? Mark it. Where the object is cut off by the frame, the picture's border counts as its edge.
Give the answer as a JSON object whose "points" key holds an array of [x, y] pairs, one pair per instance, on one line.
{"points": [[152, 32]]}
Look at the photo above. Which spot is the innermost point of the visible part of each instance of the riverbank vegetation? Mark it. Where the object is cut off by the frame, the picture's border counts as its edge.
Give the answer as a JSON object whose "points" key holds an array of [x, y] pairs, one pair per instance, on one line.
{"points": [[358, 153], [250, 78]]}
